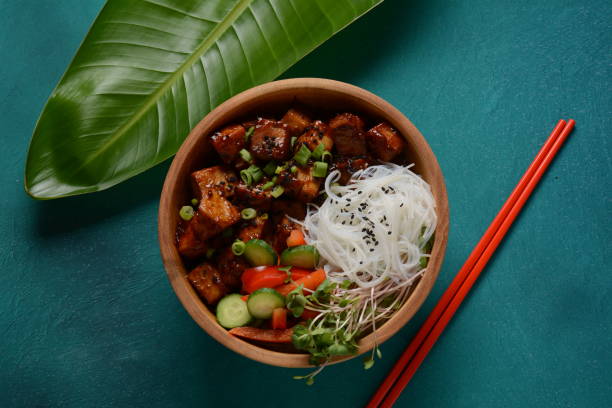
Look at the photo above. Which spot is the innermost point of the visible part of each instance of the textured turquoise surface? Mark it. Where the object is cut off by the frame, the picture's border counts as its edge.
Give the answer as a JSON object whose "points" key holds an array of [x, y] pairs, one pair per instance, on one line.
{"points": [[87, 317]]}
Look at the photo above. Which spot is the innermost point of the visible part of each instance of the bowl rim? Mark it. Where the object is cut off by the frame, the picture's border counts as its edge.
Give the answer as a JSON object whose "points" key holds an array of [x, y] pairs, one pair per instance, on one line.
{"points": [[176, 271]]}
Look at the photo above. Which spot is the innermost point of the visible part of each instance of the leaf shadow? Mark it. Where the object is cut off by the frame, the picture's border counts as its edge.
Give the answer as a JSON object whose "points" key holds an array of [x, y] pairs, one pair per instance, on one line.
{"points": [[71, 213], [357, 51]]}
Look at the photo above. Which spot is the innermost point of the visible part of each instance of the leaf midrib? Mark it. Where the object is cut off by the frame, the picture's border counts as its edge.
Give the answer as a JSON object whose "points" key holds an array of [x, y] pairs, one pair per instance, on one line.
{"points": [[204, 46]]}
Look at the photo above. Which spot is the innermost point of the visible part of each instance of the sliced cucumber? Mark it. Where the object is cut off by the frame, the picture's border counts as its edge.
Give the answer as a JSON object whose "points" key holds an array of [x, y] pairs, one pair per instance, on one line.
{"points": [[301, 256], [263, 301], [232, 312], [258, 252]]}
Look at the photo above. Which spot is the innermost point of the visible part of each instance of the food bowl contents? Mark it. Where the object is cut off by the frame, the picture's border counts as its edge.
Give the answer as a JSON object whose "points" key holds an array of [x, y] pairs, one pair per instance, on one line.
{"points": [[305, 232]]}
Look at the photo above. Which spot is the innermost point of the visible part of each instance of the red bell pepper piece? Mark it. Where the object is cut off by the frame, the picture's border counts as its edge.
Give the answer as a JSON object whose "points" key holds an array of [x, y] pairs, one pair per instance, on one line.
{"points": [[279, 318], [268, 277], [310, 281]]}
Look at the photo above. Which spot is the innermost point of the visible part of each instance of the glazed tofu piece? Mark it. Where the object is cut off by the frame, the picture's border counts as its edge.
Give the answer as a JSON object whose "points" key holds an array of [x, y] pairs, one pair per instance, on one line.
{"points": [[349, 165], [384, 142], [207, 282], [253, 229], [190, 245], [301, 185], [228, 142], [270, 140], [254, 196], [216, 179], [292, 208], [347, 132], [282, 230], [214, 214], [231, 267], [296, 121], [313, 136]]}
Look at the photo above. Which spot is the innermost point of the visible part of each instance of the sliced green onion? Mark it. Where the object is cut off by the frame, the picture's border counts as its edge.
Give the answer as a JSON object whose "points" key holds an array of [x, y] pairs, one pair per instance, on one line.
{"points": [[269, 168], [256, 173], [302, 155], [195, 202], [326, 156], [246, 176], [293, 139], [319, 169], [238, 248], [277, 191], [248, 213], [275, 179], [248, 133], [268, 185], [186, 212], [210, 252], [279, 169], [246, 155], [318, 152], [293, 169], [264, 216]]}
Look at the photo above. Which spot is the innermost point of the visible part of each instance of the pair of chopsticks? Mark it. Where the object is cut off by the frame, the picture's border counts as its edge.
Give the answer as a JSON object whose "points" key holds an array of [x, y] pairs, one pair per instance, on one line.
{"points": [[417, 350]]}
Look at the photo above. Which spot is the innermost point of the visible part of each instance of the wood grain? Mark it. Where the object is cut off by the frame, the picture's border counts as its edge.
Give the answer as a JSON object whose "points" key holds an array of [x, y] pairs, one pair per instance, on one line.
{"points": [[275, 97]]}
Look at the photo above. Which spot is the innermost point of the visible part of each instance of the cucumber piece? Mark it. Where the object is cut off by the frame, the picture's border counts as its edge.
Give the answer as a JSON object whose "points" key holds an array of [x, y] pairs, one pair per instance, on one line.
{"points": [[232, 312], [263, 301], [301, 256], [258, 252]]}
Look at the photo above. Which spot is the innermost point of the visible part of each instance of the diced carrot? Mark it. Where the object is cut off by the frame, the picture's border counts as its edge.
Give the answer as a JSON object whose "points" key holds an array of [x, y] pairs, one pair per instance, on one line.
{"points": [[296, 237], [279, 318], [266, 335], [310, 281]]}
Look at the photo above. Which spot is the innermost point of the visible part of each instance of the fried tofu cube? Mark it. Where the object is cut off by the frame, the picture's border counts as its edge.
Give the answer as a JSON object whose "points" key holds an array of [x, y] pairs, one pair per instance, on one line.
{"points": [[216, 178], [314, 136], [253, 229], [254, 196], [301, 185], [228, 142], [384, 141], [347, 132], [270, 140], [231, 267], [214, 214], [296, 121], [190, 245], [349, 165], [207, 282]]}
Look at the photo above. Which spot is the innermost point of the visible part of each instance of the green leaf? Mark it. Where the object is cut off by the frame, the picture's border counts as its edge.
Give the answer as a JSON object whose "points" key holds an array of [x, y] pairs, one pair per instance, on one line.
{"points": [[149, 70]]}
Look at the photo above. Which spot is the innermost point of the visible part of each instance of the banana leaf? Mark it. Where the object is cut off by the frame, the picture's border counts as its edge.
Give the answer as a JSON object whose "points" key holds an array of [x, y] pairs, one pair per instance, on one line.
{"points": [[149, 70]]}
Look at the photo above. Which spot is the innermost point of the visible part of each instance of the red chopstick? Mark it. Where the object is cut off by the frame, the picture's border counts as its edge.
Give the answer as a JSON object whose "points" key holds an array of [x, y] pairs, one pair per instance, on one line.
{"points": [[412, 357]]}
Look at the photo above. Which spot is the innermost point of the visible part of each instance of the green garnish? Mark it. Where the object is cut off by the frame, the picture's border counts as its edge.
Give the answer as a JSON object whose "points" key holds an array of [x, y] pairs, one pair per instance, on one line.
{"points": [[275, 179], [246, 177], [293, 139], [319, 169], [248, 213], [246, 155], [186, 212], [277, 191], [248, 133], [269, 168], [302, 155], [238, 247], [195, 202], [326, 156], [264, 216], [318, 151], [280, 169], [268, 185], [295, 301], [293, 169], [252, 174]]}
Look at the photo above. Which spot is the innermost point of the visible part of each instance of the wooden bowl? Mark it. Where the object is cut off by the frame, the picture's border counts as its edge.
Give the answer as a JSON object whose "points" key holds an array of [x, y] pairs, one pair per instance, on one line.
{"points": [[322, 95]]}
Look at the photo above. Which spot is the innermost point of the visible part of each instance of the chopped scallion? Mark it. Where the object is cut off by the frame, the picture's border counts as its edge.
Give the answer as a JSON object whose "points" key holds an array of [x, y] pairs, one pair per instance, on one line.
{"points": [[302, 155], [269, 168], [248, 213], [277, 191], [256, 173], [318, 151], [195, 202], [268, 185], [246, 155], [279, 169], [246, 176], [326, 156], [319, 169], [186, 212], [238, 247], [264, 216], [248, 133], [293, 169], [293, 139], [275, 179]]}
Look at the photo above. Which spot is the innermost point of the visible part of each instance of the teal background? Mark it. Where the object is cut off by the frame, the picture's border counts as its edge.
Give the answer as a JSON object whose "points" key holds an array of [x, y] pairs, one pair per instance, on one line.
{"points": [[87, 317]]}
